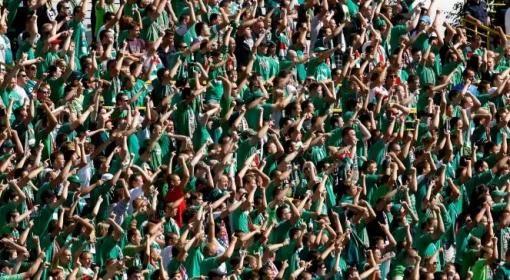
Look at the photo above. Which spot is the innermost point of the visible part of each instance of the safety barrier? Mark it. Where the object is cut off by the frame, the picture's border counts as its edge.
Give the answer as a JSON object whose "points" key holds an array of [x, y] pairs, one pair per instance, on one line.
{"points": [[485, 32]]}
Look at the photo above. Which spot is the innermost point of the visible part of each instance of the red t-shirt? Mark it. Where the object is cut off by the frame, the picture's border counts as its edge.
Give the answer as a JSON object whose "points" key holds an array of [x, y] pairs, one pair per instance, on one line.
{"points": [[175, 194]]}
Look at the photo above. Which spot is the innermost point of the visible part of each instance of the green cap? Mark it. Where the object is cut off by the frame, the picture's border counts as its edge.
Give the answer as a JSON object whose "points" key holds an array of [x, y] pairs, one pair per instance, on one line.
{"points": [[379, 23], [430, 250], [254, 95], [4, 157], [320, 49], [396, 209], [426, 136], [347, 116], [74, 179]]}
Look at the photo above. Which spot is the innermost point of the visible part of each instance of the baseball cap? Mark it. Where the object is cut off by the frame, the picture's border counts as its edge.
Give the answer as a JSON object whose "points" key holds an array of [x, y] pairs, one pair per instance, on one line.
{"points": [[347, 116], [396, 209], [106, 177], [320, 49], [426, 19], [74, 179]]}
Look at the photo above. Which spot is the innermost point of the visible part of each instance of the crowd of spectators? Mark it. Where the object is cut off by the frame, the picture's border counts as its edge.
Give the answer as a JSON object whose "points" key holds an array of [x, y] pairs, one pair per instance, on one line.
{"points": [[252, 139]]}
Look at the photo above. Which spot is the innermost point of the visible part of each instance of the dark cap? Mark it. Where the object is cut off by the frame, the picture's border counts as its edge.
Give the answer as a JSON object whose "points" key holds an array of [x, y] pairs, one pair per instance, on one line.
{"points": [[75, 75]]}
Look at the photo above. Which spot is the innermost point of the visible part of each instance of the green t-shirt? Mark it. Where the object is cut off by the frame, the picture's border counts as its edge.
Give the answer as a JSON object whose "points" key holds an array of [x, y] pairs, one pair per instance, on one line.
{"points": [[132, 251], [245, 150], [280, 232], [8, 94], [480, 270], [57, 86], [100, 12], [43, 221], [193, 262], [185, 119], [503, 272], [150, 31], [179, 7], [215, 91], [396, 32], [49, 59], [422, 42], [156, 156], [79, 39], [208, 264], [426, 74], [377, 151], [185, 34], [262, 66], [353, 7], [107, 248], [318, 68], [240, 220], [112, 91], [5, 209]]}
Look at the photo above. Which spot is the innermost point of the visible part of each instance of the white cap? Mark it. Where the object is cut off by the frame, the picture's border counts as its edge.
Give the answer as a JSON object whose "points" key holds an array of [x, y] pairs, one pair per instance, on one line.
{"points": [[107, 177]]}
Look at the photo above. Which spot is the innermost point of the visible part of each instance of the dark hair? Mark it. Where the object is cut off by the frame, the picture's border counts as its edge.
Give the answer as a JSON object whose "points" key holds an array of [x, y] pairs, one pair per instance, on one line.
{"points": [[61, 4], [199, 26], [77, 9], [102, 34], [133, 270], [279, 211], [160, 73], [346, 131], [473, 64]]}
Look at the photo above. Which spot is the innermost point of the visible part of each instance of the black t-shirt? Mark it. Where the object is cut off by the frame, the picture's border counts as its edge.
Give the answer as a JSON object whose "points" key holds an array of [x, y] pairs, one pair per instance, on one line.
{"points": [[45, 15], [18, 24], [477, 10], [339, 13], [64, 26], [242, 51], [499, 19]]}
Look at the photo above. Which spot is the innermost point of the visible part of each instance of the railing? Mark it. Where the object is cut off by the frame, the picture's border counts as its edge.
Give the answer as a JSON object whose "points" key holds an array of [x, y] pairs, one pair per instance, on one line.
{"points": [[485, 32], [493, 5]]}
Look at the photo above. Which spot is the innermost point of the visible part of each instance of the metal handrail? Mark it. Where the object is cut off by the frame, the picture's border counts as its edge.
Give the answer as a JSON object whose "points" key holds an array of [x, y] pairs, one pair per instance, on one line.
{"points": [[483, 31]]}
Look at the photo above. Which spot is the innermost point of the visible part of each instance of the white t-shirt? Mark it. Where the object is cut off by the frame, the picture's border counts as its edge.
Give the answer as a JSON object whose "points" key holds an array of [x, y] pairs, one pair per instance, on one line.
{"points": [[315, 28], [166, 255], [134, 194], [85, 173], [5, 46], [22, 94]]}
